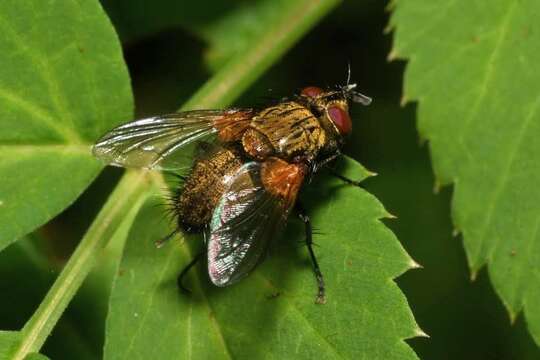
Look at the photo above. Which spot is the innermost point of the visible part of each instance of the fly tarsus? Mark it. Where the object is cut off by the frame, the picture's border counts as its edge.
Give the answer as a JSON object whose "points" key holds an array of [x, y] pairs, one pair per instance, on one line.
{"points": [[162, 241], [180, 280], [321, 297], [347, 180]]}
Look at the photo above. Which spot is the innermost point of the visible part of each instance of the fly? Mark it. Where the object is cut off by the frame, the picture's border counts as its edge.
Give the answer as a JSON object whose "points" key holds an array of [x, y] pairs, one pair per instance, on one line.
{"points": [[243, 185]]}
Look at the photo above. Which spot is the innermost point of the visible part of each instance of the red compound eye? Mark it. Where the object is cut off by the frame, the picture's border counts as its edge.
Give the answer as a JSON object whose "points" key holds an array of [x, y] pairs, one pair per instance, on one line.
{"points": [[340, 117], [311, 91]]}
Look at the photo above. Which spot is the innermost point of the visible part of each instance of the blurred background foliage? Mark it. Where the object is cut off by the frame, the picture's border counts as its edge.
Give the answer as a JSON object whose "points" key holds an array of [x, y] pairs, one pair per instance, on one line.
{"points": [[166, 52]]}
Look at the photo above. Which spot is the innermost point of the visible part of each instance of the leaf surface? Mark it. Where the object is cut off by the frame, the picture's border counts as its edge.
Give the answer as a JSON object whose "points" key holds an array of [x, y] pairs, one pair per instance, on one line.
{"points": [[271, 313], [472, 68], [63, 83]]}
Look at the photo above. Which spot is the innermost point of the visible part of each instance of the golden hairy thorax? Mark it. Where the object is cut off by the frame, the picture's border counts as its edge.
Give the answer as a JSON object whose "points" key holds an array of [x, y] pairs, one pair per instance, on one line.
{"points": [[205, 186], [285, 130]]}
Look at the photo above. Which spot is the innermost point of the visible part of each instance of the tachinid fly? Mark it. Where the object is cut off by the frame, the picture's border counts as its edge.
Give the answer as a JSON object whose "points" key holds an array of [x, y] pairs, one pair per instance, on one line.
{"points": [[245, 182]]}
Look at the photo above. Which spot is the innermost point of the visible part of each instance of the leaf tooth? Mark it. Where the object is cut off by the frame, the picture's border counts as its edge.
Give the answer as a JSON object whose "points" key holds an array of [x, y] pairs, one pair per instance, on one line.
{"points": [[420, 333], [372, 174], [393, 55], [414, 265], [391, 6], [512, 314], [404, 100], [437, 186], [390, 26], [475, 265], [422, 139], [474, 274]]}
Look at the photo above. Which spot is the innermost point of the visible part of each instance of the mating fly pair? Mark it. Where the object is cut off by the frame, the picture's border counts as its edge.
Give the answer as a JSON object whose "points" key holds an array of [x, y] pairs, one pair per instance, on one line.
{"points": [[244, 184]]}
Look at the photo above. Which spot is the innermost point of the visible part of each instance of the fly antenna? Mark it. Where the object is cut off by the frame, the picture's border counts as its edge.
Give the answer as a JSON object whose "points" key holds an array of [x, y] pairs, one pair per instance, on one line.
{"points": [[348, 90]]}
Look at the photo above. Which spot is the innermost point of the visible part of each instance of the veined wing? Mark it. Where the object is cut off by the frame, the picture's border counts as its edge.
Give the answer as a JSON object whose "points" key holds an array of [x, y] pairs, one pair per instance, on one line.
{"points": [[250, 214], [153, 143]]}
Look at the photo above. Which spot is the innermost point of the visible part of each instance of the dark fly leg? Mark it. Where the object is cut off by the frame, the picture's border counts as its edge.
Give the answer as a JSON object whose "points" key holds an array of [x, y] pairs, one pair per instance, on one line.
{"points": [[324, 162], [321, 298], [346, 179], [160, 242], [180, 280]]}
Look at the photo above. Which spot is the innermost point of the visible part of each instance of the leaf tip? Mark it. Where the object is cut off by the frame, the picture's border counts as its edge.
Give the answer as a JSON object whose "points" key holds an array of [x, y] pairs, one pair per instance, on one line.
{"points": [[369, 174], [389, 216]]}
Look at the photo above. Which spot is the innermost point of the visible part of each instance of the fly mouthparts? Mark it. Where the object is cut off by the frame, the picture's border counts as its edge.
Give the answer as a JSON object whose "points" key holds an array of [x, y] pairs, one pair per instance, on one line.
{"points": [[356, 96], [360, 98]]}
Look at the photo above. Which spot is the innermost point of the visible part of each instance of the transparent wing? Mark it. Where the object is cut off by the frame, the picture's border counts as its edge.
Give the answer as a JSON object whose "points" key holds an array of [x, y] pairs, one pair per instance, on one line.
{"points": [[248, 217], [152, 143]]}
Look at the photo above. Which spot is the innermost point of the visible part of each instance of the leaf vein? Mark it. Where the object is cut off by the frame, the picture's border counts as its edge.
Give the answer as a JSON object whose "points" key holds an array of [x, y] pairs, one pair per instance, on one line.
{"points": [[39, 113], [488, 75]]}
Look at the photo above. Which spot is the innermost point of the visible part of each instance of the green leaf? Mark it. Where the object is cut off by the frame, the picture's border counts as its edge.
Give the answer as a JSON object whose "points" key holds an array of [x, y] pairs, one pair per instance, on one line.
{"points": [[472, 70], [272, 312], [63, 83]]}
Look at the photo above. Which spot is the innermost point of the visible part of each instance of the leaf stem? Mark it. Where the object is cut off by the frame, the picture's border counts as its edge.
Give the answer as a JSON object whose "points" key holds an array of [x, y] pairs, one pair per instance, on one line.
{"points": [[129, 193]]}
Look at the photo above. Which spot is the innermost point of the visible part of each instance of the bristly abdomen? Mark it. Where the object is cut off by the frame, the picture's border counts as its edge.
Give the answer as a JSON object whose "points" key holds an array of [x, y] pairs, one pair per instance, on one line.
{"points": [[204, 187]]}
